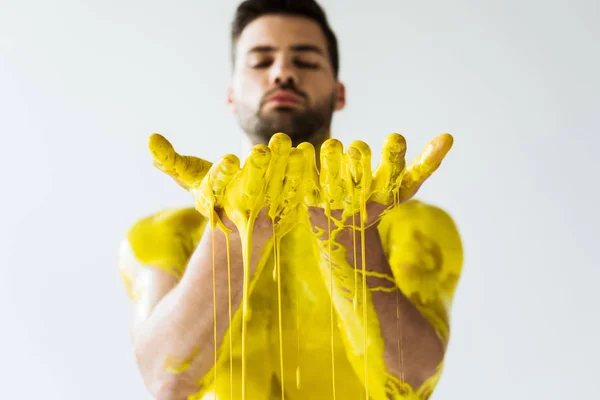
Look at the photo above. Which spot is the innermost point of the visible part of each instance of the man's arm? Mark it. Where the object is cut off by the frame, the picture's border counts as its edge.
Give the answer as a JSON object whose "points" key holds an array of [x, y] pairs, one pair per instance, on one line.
{"points": [[181, 324], [421, 348], [423, 249], [173, 330]]}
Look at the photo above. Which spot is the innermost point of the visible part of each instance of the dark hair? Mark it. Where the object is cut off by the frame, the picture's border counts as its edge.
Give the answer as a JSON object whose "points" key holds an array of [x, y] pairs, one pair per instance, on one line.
{"points": [[249, 10]]}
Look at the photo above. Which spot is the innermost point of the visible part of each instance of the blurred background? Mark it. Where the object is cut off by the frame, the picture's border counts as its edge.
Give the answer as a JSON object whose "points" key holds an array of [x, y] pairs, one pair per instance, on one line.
{"points": [[84, 83]]}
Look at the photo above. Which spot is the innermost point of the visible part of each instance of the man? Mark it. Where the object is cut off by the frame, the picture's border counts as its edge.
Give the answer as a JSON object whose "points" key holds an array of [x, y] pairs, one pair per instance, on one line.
{"points": [[290, 303]]}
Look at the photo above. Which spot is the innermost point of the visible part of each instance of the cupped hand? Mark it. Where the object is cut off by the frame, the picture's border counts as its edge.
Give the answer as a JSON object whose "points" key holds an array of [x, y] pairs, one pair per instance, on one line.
{"points": [[347, 189], [264, 193]]}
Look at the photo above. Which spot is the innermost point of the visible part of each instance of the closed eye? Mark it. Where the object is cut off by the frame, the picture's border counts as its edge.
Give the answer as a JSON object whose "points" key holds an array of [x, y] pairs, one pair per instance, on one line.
{"points": [[306, 64], [262, 64]]}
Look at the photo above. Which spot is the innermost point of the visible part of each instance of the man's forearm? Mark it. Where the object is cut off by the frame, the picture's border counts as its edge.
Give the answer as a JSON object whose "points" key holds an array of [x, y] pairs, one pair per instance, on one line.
{"points": [[412, 348], [176, 344]]}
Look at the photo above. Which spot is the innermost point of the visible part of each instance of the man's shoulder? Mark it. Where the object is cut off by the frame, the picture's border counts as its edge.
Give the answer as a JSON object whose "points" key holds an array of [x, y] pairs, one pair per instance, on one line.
{"points": [[415, 227], [425, 250], [166, 238]]}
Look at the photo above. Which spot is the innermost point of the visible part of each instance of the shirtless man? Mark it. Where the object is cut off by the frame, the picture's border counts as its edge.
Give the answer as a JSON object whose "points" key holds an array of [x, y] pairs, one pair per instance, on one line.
{"points": [[304, 335]]}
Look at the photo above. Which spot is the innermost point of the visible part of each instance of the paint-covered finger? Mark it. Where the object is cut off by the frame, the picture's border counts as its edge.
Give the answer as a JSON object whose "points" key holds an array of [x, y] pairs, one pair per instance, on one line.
{"points": [[185, 170], [359, 159], [251, 181], [210, 191], [286, 208], [221, 174], [331, 174], [294, 174], [280, 145], [390, 169], [310, 181], [421, 168]]}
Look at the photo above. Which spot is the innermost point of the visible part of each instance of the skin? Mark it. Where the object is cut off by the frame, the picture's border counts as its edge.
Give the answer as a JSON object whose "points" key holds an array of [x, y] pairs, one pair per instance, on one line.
{"points": [[176, 315]]}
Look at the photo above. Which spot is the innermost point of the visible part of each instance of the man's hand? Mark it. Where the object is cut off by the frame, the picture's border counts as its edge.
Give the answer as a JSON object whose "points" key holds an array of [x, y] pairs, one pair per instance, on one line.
{"points": [[346, 181], [266, 187]]}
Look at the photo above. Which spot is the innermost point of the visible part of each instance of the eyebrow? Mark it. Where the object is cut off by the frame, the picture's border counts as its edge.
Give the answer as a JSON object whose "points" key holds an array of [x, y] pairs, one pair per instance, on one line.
{"points": [[305, 48]]}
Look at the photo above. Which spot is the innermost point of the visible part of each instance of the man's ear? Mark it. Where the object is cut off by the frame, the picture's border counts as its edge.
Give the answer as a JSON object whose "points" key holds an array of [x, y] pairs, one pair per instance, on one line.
{"points": [[340, 96], [230, 103]]}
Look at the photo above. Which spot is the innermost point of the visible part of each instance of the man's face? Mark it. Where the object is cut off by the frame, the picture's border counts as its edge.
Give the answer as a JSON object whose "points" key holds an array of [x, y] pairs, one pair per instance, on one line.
{"points": [[283, 80]]}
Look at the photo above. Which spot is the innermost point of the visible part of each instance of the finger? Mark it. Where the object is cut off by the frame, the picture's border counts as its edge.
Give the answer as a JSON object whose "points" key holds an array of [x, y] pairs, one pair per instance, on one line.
{"points": [[280, 145], [210, 191], [227, 168], [359, 162], [220, 175], [250, 184], [358, 179], [424, 165], [390, 169], [294, 172], [310, 186], [185, 170], [331, 174]]}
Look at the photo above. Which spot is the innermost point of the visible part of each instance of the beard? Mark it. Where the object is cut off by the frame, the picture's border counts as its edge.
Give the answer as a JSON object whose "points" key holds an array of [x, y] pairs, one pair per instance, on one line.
{"points": [[301, 125]]}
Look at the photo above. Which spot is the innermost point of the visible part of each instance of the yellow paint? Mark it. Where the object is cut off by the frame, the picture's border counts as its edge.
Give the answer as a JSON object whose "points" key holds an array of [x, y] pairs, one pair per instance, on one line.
{"points": [[177, 365], [324, 328], [214, 275], [229, 314]]}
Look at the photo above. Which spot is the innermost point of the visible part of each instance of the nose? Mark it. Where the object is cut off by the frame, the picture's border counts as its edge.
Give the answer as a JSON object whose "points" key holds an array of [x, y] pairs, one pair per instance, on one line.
{"points": [[283, 74]]}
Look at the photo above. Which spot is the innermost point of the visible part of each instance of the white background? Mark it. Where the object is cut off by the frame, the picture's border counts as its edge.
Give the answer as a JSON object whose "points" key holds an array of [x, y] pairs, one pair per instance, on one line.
{"points": [[83, 84]]}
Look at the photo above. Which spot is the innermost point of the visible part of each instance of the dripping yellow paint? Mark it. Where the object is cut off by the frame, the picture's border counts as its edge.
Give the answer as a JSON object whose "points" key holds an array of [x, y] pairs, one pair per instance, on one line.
{"points": [[316, 290]]}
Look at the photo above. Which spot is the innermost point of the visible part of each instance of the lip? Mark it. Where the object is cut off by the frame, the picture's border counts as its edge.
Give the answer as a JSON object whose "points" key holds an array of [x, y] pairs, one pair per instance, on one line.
{"points": [[283, 98]]}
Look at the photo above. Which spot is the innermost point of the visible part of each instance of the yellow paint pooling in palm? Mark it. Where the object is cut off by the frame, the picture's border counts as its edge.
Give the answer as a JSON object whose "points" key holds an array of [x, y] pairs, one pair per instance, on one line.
{"points": [[411, 234]]}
